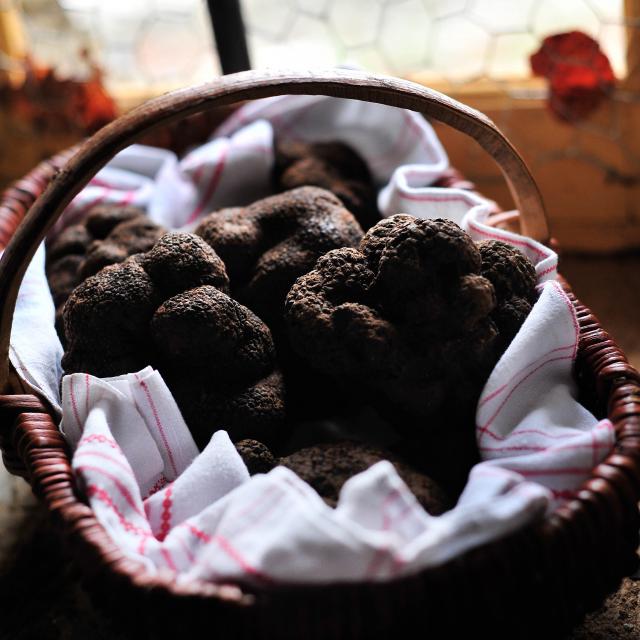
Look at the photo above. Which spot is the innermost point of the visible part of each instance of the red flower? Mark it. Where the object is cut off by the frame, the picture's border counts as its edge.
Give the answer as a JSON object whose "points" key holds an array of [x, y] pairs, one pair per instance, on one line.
{"points": [[579, 73]]}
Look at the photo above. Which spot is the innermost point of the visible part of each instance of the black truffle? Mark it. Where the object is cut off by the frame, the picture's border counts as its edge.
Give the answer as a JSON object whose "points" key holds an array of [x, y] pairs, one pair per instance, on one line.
{"points": [[103, 218], [216, 356], [405, 318], [513, 277], [267, 245], [246, 409], [326, 467], [180, 261], [74, 240], [125, 239], [256, 456], [67, 255], [106, 321], [333, 166], [202, 328]]}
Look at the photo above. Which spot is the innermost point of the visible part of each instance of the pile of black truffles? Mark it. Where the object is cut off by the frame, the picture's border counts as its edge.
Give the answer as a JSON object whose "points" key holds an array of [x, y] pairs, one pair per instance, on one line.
{"points": [[284, 323], [412, 318], [333, 166], [109, 234], [270, 243], [169, 308]]}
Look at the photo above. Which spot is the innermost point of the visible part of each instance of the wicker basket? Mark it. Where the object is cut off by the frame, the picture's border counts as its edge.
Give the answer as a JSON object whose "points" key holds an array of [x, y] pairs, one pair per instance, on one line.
{"points": [[541, 579]]}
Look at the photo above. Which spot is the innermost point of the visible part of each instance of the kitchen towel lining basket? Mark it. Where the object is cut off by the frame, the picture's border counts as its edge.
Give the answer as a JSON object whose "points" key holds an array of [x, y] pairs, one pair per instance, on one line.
{"points": [[542, 578]]}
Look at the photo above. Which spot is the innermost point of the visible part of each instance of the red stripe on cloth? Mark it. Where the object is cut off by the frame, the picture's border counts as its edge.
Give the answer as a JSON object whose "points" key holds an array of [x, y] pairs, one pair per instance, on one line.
{"points": [[427, 197], [98, 437], [165, 518], [381, 555], [168, 559], [398, 517], [572, 313], [86, 388], [593, 444], [522, 370], [384, 553], [213, 184], [392, 497], [268, 509], [485, 428], [126, 494], [156, 417], [99, 454], [128, 197], [226, 546], [159, 484], [94, 203], [198, 533], [99, 182], [103, 496], [74, 405], [509, 239], [252, 505], [562, 471], [187, 552], [128, 194], [554, 267], [233, 553]]}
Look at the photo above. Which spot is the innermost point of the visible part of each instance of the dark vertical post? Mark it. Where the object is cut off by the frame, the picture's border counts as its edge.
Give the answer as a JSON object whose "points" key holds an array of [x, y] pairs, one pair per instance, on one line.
{"points": [[229, 34]]}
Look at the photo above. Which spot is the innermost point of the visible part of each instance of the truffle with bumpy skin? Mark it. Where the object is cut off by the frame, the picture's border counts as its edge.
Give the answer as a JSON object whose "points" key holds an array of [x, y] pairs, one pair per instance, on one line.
{"points": [[162, 308], [66, 255], [103, 218], [256, 456], [203, 326], [406, 318], [333, 166], [106, 321], [326, 467], [246, 409], [125, 239], [73, 240], [219, 361], [270, 243], [64, 277], [180, 261], [513, 277]]}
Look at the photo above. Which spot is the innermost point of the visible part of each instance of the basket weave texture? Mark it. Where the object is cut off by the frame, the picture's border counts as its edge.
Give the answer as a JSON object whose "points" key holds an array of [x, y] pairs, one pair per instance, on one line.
{"points": [[541, 578]]}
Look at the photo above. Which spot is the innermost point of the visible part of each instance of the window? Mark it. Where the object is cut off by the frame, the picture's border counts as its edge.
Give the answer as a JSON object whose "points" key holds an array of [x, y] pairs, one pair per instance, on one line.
{"points": [[475, 50]]}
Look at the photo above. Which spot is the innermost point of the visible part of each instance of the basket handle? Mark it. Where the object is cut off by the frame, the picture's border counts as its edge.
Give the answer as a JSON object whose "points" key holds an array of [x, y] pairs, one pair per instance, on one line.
{"points": [[95, 152]]}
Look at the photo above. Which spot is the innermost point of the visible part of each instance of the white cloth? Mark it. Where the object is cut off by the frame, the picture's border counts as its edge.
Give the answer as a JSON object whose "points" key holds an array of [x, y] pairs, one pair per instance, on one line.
{"points": [[34, 349], [201, 515]]}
